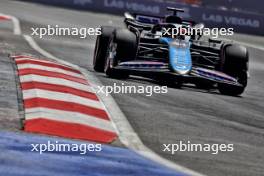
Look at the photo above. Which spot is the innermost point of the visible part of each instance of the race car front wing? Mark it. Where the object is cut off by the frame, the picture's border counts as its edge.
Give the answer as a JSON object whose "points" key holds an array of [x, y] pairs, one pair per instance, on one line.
{"points": [[146, 67]]}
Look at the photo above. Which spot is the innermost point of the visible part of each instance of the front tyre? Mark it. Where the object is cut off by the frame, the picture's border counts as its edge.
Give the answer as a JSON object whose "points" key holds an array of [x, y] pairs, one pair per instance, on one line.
{"points": [[233, 90], [235, 64], [101, 46], [122, 47], [111, 62]]}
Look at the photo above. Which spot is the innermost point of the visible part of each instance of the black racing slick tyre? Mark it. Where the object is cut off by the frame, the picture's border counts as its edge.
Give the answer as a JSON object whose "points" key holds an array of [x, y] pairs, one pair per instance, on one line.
{"points": [[126, 44], [235, 64], [101, 46], [122, 47]]}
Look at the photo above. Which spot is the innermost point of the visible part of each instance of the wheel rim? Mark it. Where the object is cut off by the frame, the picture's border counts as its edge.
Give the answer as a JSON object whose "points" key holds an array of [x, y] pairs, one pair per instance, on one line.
{"points": [[96, 49], [111, 53]]}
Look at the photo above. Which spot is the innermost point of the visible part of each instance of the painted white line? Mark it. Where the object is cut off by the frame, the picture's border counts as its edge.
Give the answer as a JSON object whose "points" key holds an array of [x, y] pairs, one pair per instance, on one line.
{"points": [[36, 47], [17, 29], [66, 97], [16, 24], [251, 45], [71, 117], [47, 68], [55, 81], [245, 44], [126, 133]]}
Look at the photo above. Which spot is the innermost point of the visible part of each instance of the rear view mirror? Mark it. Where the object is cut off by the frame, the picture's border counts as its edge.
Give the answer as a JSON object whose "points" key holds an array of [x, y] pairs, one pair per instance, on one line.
{"points": [[199, 26], [198, 30], [129, 16]]}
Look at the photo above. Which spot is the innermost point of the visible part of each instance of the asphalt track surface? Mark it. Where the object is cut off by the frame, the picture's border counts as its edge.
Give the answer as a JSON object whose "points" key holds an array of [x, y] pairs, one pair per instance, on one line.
{"points": [[182, 114]]}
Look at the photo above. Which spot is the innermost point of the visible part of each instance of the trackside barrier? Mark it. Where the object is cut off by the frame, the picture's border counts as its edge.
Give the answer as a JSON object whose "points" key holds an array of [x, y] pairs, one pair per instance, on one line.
{"points": [[241, 22]]}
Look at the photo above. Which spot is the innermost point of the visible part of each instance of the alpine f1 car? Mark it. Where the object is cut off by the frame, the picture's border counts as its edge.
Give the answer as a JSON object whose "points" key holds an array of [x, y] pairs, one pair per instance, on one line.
{"points": [[143, 48]]}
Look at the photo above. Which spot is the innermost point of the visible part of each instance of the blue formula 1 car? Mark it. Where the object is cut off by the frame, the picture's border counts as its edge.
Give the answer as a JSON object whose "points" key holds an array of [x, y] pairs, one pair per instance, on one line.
{"points": [[147, 48]]}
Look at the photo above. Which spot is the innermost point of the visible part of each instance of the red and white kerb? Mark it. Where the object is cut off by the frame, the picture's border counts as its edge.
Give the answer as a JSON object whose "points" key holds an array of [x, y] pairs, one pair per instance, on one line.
{"points": [[58, 100]]}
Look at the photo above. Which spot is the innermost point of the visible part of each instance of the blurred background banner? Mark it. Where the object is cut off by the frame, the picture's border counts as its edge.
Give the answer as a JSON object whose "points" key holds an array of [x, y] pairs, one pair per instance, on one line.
{"points": [[244, 16], [254, 6]]}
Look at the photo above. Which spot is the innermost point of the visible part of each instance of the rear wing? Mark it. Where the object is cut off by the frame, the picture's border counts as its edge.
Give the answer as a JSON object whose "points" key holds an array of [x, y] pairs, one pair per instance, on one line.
{"points": [[141, 18], [150, 19]]}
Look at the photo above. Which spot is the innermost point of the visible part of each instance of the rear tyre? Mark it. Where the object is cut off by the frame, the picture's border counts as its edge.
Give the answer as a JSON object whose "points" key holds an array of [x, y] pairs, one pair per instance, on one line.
{"points": [[235, 64], [232, 90], [101, 46], [122, 47]]}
